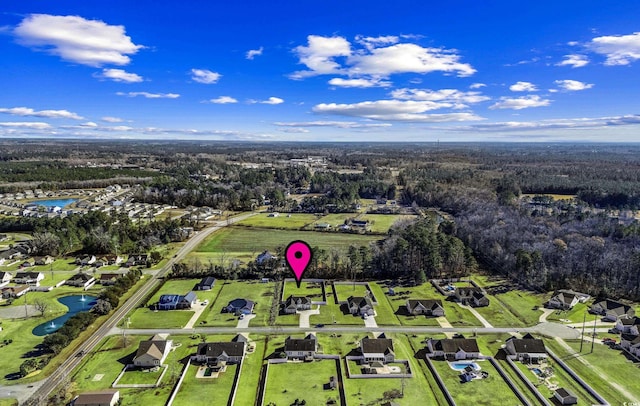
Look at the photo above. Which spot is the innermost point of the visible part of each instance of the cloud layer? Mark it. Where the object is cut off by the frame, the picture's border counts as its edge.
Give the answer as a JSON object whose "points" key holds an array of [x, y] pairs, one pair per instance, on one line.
{"points": [[28, 112]]}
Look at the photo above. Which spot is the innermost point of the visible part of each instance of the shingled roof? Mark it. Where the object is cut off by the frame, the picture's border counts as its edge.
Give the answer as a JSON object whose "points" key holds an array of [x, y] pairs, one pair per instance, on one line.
{"points": [[301, 344], [453, 345], [214, 350], [377, 345]]}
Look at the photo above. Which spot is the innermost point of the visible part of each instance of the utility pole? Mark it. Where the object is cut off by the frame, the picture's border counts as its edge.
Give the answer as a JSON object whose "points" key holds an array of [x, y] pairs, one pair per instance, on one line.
{"points": [[26, 310], [593, 336], [584, 321]]}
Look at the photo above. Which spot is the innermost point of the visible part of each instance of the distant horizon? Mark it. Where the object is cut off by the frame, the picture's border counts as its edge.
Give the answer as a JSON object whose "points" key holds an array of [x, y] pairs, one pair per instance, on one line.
{"points": [[357, 72]]}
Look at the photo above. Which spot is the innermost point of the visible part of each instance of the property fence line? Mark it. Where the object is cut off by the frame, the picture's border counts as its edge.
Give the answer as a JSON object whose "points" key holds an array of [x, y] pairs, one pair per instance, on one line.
{"points": [[308, 280], [366, 284], [580, 381], [528, 383], [176, 388], [234, 387], [372, 376], [138, 385], [261, 393], [509, 381], [440, 382]]}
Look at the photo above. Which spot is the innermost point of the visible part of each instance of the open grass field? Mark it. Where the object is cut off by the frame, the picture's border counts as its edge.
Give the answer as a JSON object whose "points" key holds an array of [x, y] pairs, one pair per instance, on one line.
{"points": [[204, 391], [310, 289], [381, 223], [490, 391], [250, 374], [244, 243], [385, 313], [344, 290], [333, 313], [296, 222], [609, 368], [524, 305], [310, 377], [260, 293], [8, 402]]}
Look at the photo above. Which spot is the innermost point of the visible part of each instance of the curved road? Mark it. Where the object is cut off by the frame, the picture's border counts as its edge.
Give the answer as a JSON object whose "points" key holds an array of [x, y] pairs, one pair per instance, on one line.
{"points": [[41, 390]]}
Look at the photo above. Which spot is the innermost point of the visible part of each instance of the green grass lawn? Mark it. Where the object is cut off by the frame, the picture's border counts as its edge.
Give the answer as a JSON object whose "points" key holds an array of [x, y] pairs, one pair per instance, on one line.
{"points": [[137, 377], [609, 366], [312, 290], [8, 402], [309, 380], [205, 391], [296, 222], [344, 290], [499, 315], [60, 264], [147, 318], [260, 293], [250, 374], [381, 223], [576, 315], [490, 391], [332, 312], [524, 305], [385, 314]]}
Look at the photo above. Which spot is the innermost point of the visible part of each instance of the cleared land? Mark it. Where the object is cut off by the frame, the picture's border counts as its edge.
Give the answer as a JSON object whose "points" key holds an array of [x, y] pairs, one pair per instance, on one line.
{"points": [[205, 391], [310, 378], [295, 221], [258, 292], [310, 289]]}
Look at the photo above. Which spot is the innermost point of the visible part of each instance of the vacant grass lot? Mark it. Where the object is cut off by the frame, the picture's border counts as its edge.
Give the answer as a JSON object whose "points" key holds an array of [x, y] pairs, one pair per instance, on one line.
{"points": [[310, 377], [205, 391], [310, 289], [260, 293], [609, 367], [333, 313], [385, 314], [381, 223], [296, 222], [490, 391], [344, 290], [250, 374]]}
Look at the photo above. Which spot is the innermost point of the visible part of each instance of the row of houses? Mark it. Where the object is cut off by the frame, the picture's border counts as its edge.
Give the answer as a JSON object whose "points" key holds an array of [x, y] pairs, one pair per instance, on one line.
{"points": [[104, 260]]}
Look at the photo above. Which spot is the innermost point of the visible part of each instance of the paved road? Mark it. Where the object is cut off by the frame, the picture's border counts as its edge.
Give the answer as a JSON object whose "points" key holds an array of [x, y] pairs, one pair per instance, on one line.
{"points": [[42, 389]]}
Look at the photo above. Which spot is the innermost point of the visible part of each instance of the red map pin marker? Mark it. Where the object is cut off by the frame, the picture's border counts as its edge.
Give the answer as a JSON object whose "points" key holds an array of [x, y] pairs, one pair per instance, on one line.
{"points": [[298, 255]]}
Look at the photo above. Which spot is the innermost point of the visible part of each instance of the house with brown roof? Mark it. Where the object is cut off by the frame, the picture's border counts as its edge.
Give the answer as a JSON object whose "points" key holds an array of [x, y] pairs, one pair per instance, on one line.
{"points": [[612, 310], [45, 260], [108, 279], [301, 348], [454, 348], [295, 303], [152, 352], [14, 292], [526, 349], [221, 352], [360, 305], [427, 307], [80, 280], [377, 349], [97, 398], [471, 296]]}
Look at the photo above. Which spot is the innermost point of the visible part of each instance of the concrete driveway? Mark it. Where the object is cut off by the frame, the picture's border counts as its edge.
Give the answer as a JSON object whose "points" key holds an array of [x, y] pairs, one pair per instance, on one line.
{"points": [[244, 322], [370, 321], [304, 316], [198, 309]]}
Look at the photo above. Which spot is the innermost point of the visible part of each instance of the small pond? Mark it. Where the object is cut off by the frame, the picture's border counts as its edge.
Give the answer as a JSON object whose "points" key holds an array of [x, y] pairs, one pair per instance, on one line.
{"points": [[75, 303], [53, 202]]}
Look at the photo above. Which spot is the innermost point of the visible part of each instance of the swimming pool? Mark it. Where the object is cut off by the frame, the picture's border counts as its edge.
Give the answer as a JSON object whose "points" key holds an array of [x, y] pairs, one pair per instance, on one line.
{"points": [[536, 371], [459, 366]]}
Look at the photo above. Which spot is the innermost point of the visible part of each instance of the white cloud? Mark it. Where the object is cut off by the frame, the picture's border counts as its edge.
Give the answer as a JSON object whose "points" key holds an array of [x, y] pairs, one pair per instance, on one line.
{"points": [[520, 103], [75, 39], [568, 123], [109, 119], [378, 57], [336, 124], [26, 124], [573, 85], [270, 100], [223, 100], [619, 49], [205, 76], [120, 75], [294, 130], [574, 60], [362, 82], [394, 110], [90, 124], [477, 85], [457, 97], [150, 95], [523, 87], [252, 53], [28, 112]]}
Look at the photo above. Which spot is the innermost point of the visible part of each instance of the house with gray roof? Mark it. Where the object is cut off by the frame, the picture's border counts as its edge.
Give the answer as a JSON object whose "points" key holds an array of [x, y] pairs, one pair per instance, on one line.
{"points": [[301, 348], [97, 398], [565, 396], [377, 349], [427, 307], [295, 303], [239, 306], [454, 348], [175, 302], [360, 305], [471, 296], [216, 353], [526, 349], [612, 310]]}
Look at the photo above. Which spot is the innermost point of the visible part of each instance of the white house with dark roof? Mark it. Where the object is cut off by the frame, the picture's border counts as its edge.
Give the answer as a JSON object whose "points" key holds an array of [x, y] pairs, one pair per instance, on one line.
{"points": [[526, 349], [296, 303], [630, 343], [563, 301], [5, 277], [629, 325], [239, 306], [454, 348], [81, 280], [214, 353], [28, 278], [427, 307], [152, 352], [471, 296], [301, 348], [360, 305], [175, 302], [612, 310], [565, 396], [377, 349]]}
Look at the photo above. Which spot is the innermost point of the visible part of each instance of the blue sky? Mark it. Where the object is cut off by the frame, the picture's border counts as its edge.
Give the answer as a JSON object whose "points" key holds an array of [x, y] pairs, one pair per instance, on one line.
{"points": [[321, 71]]}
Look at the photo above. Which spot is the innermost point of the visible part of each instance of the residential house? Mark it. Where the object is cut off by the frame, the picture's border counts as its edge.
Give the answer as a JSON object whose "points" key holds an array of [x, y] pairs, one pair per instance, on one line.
{"points": [[322, 226], [9, 254], [301, 348], [206, 283], [612, 310], [28, 278], [174, 302], [582, 297], [526, 349], [377, 349], [630, 343], [137, 260], [46, 260], [360, 305], [295, 303], [264, 257], [221, 352], [81, 280], [14, 292], [5, 277], [26, 264], [428, 307], [563, 301], [629, 325], [108, 279], [471, 296], [152, 352], [85, 260], [239, 306], [98, 398], [454, 348], [565, 397], [113, 259]]}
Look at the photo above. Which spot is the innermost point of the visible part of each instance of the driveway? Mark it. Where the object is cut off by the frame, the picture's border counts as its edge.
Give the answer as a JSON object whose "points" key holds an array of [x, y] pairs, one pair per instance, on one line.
{"points": [[244, 322], [370, 321], [198, 311], [545, 314], [482, 320], [444, 323], [304, 316]]}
